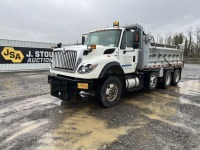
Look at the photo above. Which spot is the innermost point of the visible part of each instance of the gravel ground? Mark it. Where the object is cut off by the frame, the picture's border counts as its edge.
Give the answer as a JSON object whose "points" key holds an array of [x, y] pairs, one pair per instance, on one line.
{"points": [[161, 119]]}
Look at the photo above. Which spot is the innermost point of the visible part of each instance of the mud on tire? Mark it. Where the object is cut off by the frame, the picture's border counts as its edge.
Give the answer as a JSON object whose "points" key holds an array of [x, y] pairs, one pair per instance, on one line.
{"points": [[176, 77], [167, 78], [109, 92], [151, 81]]}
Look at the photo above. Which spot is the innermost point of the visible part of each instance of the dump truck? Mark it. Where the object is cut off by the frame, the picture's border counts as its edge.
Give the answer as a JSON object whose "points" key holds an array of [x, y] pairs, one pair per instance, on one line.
{"points": [[112, 61]]}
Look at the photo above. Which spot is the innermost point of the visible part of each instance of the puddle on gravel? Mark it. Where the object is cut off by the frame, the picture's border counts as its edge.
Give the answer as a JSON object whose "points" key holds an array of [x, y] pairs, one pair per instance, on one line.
{"points": [[157, 104], [30, 103], [187, 101], [26, 128], [190, 87], [160, 106], [81, 131], [156, 117]]}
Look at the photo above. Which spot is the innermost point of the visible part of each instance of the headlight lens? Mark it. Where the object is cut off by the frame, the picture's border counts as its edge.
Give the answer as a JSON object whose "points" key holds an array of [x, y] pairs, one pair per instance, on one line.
{"points": [[87, 68]]}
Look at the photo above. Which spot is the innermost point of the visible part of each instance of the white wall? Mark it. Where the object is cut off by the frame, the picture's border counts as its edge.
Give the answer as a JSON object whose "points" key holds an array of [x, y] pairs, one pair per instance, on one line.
{"points": [[24, 67]]}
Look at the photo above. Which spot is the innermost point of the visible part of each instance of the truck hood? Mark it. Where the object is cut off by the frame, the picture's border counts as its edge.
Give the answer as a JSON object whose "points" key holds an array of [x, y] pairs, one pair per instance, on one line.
{"points": [[84, 55], [78, 48], [81, 48]]}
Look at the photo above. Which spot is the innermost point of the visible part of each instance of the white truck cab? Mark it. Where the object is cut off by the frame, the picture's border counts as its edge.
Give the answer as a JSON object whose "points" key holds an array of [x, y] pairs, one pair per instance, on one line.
{"points": [[111, 61]]}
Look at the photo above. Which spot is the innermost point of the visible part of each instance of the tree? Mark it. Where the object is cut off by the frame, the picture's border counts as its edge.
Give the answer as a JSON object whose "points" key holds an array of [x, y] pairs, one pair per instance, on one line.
{"points": [[180, 38], [161, 40], [177, 39], [197, 34], [189, 33], [186, 48], [168, 39]]}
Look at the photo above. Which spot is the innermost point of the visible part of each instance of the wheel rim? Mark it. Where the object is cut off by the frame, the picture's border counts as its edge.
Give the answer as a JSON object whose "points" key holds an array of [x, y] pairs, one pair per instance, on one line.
{"points": [[153, 81], [111, 92], [168, 79], [177, 76]]}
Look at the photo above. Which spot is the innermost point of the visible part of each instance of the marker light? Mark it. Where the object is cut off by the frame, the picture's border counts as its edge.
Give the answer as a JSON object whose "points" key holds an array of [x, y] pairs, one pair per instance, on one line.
{"points": [[91, 47], [116, 24]]}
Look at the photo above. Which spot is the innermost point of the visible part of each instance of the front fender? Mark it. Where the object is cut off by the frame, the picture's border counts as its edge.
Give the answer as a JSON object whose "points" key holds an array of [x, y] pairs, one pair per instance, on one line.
{"points": [[113, 68], [98, 72]]}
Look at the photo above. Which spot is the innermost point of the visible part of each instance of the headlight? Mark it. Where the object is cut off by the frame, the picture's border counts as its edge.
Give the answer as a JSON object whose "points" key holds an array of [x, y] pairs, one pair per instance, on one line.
{"points": [[87, 68]]}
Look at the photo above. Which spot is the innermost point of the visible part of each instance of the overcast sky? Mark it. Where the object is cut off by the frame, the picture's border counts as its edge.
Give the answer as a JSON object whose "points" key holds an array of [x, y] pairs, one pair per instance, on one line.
{"points": [[65, 20]]}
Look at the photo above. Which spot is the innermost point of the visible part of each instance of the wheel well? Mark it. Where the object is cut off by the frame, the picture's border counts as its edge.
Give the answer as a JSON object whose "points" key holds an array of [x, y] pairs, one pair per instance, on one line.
{"points": [[147, 73], [112, 69], [115, 71]]}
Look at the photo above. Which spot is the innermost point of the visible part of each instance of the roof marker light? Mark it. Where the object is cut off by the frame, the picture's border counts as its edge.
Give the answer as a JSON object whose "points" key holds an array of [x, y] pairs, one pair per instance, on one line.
{"points": [[116, 24]]}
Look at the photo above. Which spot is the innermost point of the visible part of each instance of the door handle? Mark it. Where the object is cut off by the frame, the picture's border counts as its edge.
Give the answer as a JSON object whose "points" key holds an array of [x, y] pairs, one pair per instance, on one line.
{"points": [[128, 51]]}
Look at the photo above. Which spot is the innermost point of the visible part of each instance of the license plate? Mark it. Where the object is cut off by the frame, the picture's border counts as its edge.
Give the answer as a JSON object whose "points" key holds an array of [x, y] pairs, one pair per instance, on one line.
{"points": [[82, 85]]}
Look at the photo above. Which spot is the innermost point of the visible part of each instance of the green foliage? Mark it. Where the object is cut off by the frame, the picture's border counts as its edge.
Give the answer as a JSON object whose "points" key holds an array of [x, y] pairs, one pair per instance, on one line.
{"points": [[177, 39], [186, 48]]}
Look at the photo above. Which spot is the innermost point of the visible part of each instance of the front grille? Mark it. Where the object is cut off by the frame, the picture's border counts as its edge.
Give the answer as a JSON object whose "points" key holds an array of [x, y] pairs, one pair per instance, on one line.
{"points": [[65, 60]]}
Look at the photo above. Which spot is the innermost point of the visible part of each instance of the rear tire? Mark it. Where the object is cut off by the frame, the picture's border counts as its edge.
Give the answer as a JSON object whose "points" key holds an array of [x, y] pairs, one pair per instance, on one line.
{"points": [[151, 81], [167, 78], [176, 77], [109, 93]]}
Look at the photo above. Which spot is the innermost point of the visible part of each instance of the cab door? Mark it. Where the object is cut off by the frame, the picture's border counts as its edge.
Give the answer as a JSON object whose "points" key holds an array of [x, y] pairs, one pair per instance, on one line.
{"points": [[128, 56]]}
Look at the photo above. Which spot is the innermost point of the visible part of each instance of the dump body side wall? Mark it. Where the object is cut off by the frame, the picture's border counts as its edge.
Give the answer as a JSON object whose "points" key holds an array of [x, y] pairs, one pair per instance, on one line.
{"points": [[149, 57]]}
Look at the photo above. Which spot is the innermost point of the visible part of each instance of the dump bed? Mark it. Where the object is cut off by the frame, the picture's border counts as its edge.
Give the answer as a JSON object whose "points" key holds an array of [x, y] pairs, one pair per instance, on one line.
{"points": [[158, 55]]}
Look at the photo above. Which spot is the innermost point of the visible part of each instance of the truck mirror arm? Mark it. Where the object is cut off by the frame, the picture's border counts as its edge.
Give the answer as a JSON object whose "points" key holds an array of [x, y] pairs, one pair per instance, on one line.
{"points": [[83, 39]]}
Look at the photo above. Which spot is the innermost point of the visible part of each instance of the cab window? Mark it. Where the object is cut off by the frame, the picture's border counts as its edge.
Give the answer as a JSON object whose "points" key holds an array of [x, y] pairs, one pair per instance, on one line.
{"points": [[129, 39], [123, 42]]}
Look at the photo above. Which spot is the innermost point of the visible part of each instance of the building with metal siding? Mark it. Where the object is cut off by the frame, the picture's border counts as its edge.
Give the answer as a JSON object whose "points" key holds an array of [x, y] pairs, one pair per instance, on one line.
{"points": [[31, 47]]}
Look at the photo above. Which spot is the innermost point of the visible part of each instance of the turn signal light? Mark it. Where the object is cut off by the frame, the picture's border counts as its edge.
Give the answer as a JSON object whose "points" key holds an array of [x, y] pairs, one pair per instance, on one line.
{"points": [[92, 47]]}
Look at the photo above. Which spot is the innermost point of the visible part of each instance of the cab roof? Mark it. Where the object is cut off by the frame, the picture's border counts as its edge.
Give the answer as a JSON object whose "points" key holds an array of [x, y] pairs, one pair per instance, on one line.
{"points": [[132, 26]]}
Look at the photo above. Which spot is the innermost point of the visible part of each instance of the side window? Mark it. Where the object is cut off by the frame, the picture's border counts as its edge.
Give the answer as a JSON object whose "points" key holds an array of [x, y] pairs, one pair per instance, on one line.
{"points": [[129, 39], [123, 43], [94, 39]]}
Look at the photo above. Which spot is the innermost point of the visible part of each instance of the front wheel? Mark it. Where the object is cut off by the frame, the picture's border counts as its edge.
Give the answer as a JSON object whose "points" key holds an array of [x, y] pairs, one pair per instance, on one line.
{"points": [[109, 93]]}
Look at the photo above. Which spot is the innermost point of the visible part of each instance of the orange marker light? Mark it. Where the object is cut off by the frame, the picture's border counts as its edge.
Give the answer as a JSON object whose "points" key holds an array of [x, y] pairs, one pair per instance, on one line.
{"points": [[116, 24], [93, 46]]}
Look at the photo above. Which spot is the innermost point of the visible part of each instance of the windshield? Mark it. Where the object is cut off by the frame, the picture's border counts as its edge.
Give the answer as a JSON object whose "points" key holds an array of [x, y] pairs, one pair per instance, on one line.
{"points": [[105, 38]]}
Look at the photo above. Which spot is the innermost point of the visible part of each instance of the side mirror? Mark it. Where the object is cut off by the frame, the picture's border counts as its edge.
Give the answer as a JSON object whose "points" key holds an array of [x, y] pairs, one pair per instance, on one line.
{"points": [[59, 45], [83, 39]]}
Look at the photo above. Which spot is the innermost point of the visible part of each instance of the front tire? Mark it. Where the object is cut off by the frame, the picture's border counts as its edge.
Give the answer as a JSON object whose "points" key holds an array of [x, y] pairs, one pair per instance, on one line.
{"points": [[109, 93]]}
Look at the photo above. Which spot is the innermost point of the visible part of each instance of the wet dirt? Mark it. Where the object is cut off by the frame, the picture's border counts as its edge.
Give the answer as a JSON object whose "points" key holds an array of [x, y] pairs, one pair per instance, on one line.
{"points": [[161, 119]]}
